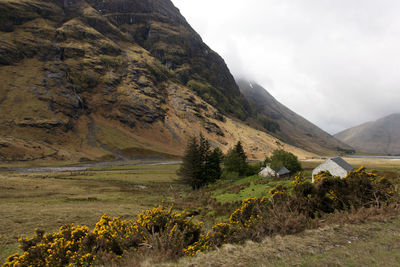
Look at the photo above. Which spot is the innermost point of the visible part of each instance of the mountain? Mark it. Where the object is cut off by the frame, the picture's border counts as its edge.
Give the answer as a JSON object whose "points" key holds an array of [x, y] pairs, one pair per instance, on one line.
{"points": [[287, 125], [376, 137], [102, 79]]}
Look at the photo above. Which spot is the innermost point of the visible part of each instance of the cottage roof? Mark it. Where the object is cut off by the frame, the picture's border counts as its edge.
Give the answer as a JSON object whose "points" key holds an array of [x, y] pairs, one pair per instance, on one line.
{"points": [[283, 171], [339, 161]]}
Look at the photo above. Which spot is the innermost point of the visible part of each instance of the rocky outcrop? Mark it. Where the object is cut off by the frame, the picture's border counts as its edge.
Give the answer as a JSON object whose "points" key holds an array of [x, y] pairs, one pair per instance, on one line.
{"points": [[95, 78]]}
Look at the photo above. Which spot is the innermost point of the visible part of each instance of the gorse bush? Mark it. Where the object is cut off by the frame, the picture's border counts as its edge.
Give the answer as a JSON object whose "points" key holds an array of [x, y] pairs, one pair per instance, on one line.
{"points": [[327, 194], [250, 211], [162, 221], [171, 234], [67, 246], [289, 210], [158, 229]]}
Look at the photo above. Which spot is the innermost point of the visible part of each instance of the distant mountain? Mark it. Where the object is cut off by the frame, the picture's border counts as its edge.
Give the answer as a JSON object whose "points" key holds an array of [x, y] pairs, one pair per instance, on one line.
{"points": [[287, 125], [379, 137]]}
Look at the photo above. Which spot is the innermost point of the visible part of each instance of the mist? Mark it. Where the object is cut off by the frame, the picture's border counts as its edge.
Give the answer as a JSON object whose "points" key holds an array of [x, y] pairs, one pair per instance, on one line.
{"points": [[336, 63]]}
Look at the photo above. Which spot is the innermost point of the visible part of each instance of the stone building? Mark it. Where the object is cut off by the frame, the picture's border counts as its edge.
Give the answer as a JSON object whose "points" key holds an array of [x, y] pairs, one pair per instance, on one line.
{"points": [[269, 172], [336, 166]]}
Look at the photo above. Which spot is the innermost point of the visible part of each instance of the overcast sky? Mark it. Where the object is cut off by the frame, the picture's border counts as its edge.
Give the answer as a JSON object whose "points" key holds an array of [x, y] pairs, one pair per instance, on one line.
{"points": [[335, 62]]}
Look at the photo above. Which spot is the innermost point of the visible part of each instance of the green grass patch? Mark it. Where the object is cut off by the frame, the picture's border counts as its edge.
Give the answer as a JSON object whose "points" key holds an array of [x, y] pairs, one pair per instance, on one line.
{"points": [[252, 186]]}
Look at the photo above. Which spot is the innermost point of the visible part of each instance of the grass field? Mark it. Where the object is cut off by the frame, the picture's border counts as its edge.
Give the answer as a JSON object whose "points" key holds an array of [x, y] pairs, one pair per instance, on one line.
{"points": [[49, 200], [253, 186]]}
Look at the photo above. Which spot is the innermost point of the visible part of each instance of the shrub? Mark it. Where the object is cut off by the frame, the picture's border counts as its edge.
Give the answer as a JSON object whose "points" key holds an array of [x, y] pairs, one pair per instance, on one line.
{"points": [[358, 189], [202, 245], [64, 247], [114, 236], [249, 213], [164, 221], [229, 175], [161, 229], [253, 169], [281, 158], [279, 193], [222, 233]]}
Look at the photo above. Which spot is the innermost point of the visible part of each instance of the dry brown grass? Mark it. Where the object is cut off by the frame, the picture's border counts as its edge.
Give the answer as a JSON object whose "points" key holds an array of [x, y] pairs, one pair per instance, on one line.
{"points": [[47, 201], [369, 163], [363, 244]]}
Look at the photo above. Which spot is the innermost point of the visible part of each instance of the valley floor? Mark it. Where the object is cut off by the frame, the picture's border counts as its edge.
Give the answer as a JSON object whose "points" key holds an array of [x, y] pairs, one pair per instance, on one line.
{"points": [[47, 200]]}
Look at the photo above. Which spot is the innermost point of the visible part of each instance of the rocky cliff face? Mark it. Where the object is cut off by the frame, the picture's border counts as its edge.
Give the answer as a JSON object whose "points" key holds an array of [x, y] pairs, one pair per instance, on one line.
{"points": [[104, 79], [287, 125]]}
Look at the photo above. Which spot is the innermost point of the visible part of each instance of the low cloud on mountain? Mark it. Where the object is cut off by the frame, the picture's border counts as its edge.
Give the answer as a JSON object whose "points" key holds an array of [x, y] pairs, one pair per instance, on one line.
{"points": [[334, 62]]}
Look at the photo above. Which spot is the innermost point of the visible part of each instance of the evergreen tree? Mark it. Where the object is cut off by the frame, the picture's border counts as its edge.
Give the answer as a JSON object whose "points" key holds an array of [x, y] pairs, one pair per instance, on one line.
{"points": [[190, 169], [236, 160], [204, 150], [200, 166], [240, 151], [213, 165]]}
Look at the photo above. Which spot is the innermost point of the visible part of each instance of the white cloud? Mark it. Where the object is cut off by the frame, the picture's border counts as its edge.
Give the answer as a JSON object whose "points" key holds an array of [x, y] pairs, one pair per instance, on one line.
{"points": [[335, 63]]}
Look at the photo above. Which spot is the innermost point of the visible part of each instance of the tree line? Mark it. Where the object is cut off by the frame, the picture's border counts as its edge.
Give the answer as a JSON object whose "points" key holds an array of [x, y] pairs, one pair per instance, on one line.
{"points": [[201, 165]]}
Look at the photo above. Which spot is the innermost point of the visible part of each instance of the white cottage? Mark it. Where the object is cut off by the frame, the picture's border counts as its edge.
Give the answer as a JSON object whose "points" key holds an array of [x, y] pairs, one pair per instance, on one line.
{"points": [[336, 166], [269, 172]]}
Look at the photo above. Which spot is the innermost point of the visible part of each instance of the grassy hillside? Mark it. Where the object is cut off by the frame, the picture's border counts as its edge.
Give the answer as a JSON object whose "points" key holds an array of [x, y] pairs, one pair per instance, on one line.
{"points": [[376, 137]]}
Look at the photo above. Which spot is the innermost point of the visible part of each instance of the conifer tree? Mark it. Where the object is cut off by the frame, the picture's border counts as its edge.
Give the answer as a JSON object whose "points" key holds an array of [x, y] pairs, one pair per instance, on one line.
{"points": [[213, 165], [236, 160], [191, 167], [200, 166], [240, 151]]}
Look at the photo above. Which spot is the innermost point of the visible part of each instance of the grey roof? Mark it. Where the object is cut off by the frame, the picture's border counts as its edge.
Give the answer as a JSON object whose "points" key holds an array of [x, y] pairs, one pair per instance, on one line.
{"points": [[283, 171], [342, 163]]}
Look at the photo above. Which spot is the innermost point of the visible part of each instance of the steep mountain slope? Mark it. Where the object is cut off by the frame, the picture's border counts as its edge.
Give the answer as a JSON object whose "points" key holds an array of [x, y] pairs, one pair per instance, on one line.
{"points": [[113, 79], [379, 137], [287, 125]]}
